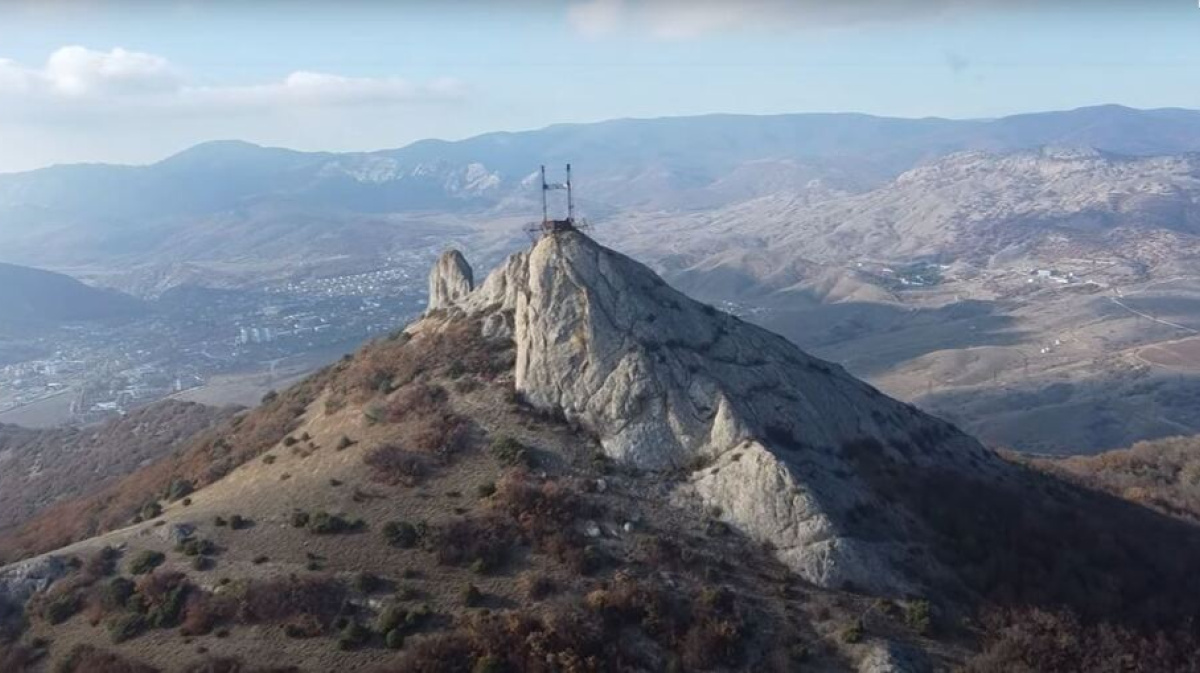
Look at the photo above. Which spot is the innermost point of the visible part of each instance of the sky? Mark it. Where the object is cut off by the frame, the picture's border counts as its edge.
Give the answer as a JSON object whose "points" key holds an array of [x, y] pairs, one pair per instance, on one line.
{"points": [[134, 82]]}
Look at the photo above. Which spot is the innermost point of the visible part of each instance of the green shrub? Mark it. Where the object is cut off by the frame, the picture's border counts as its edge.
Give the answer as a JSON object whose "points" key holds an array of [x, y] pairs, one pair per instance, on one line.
{"points": [[391, 618], [354, 635], [151, 511], [167, 612], [300, 519], [220, 522], [401, 534], [324, 523], [126, 626], [145, 562], [203, 563], [344, 443], [472, 596], [196, 547], [179, 488], [853, 633], [510, 452], [115, 593], [918, 616], [62, 607], [369, 583], [374, 413], [489, 664], [238, 522], [486, 490], [394, 639]]}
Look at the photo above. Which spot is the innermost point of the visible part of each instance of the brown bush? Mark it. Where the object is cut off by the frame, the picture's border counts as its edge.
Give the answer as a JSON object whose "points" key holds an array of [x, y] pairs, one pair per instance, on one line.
{"points": [[280, 600], [204, 611], [391, 464], [415, 399], [591, 636], [1163, 474], [546, 513], [482, 542], [1032, 640], [536, 586]]}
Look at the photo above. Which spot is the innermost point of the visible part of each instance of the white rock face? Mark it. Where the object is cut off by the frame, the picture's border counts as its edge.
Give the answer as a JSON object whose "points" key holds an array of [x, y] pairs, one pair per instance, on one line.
{"points": [[450, 280], [21, 580], [764, 430]]}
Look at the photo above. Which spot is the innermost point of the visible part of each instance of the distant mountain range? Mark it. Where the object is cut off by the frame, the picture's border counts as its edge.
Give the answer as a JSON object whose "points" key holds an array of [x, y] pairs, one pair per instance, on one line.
{"points": [[983, 209], [237, 201], [36, 298]]}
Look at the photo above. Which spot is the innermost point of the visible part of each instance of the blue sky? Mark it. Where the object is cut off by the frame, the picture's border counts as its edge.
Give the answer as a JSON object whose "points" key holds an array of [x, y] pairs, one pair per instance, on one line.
{"points": [[89, 80]]}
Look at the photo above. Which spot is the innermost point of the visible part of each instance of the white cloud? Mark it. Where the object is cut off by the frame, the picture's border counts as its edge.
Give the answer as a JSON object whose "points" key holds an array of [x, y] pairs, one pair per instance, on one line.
{"points": [[684, 19], [321, 89], [75, 78], [596, 18], [78, 71]]}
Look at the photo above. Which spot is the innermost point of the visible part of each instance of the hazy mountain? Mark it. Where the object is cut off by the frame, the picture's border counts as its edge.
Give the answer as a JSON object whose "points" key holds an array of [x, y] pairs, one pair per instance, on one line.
{"points": [[573, 466], [973, 207], [33, 297], [223, 198]]}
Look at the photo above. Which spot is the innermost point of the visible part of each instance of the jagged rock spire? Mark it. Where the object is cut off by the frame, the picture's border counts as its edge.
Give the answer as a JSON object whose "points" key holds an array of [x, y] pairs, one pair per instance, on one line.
{"points": [[768, 434], [450, 280]]}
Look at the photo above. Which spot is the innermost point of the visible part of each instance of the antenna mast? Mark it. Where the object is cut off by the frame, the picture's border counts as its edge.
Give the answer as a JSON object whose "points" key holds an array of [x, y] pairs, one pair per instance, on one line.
{"points": [[545, 188], [549, 225], [570, 198]]}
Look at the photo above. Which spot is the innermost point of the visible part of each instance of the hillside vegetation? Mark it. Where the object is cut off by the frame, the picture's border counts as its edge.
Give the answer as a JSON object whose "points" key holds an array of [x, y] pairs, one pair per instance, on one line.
{"points": [[41, 467], [1163, 474]]}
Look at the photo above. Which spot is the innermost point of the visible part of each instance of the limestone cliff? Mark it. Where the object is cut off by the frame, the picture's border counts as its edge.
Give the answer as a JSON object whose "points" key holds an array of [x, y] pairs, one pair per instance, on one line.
{"points": [[450, 279], [767, 434]]}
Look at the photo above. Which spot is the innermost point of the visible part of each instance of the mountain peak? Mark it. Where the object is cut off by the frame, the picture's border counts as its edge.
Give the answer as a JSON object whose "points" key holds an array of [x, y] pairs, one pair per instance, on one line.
{"points": [[764, 431]]}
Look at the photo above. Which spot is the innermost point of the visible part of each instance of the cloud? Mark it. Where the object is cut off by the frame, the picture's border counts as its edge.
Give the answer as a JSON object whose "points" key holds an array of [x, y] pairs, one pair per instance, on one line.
{"points": [[685, 19], [320, 89], [76, 78], [596, 18], [77, 71]]}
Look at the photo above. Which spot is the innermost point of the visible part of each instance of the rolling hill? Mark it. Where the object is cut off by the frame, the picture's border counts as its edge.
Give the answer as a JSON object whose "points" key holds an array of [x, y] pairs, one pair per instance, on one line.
{"points": [[36, 298]]}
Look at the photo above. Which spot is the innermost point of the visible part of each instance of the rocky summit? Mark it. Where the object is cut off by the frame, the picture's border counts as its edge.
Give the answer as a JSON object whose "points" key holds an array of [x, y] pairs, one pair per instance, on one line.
{"points": [[764, 430]]}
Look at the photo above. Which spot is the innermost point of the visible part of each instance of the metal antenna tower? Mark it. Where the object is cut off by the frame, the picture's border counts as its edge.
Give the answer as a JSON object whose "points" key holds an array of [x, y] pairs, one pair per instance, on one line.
{"points": [[549, 225]]}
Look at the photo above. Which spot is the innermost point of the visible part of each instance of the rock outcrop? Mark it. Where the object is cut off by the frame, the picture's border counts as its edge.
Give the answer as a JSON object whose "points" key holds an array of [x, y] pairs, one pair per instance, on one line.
{"points": [[450, 280], [21, 580], [767, 433]]}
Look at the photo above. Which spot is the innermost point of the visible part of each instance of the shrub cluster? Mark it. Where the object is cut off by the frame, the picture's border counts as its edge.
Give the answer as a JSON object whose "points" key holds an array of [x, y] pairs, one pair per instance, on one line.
{"points": [[594, 634], [324, 523]]}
